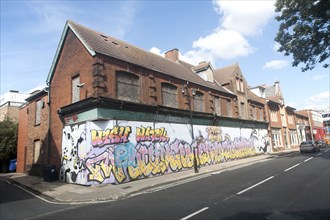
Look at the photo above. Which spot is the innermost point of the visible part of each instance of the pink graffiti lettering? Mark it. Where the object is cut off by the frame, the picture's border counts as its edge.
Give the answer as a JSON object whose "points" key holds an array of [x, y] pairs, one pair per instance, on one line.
{"points": [[110, 136]]}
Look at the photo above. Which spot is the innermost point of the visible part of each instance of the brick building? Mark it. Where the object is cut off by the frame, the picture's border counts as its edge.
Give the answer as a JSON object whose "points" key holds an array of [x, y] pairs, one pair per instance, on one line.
{"points": [[32, 150], [10, 103], [282, 123], [118, 113]]}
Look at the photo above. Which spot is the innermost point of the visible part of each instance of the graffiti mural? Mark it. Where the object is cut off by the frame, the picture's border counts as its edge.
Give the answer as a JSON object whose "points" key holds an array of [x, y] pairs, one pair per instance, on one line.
{"points": [[122, 151]]}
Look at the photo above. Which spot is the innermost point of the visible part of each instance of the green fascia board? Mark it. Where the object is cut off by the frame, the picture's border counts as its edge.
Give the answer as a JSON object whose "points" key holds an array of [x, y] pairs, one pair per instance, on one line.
{"points": [[113, 114]]}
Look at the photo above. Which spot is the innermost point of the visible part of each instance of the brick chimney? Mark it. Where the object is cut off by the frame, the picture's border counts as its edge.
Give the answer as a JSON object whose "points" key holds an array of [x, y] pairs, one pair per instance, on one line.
{"points": [[172, 55]]}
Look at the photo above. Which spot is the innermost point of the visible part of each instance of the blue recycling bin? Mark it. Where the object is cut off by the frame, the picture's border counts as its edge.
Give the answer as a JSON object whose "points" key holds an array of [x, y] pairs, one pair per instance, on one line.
{"points": [[12, 165]]}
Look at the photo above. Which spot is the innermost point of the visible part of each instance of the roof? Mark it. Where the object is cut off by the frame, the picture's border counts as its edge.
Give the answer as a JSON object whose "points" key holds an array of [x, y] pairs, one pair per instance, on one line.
{"points": [[99, 43], [223, 75], [201, 66]]}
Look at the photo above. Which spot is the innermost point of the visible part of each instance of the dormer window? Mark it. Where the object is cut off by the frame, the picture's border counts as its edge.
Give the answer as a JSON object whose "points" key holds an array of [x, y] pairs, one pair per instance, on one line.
{"points": [[205, 71]]}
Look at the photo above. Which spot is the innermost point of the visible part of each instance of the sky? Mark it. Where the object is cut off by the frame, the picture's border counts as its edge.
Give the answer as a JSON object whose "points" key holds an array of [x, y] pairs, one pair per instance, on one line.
{"points": [[222, 32]]}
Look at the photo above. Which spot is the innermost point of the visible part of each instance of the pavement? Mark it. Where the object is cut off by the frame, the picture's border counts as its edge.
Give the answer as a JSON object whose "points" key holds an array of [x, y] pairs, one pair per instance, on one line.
{"points": [[66, 193]]}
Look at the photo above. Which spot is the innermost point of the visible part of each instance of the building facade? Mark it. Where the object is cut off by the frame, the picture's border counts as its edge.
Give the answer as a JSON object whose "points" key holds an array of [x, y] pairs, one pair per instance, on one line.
{"points": [[117, 113], [10, 103], [315, 130], [32, 149]]}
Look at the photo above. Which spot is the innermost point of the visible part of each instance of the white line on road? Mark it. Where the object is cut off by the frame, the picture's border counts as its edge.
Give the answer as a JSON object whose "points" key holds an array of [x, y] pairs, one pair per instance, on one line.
{"points": [[251, 187], [308, 159], [318, 154], [326, 151], [195, 213], [292, 167]]}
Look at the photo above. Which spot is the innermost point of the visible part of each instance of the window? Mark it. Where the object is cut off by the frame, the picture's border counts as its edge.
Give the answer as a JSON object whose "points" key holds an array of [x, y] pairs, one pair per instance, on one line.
{"points": [[261, 115], [242, 87], [199, 102], [36, 152], [217, 105], [38, 112], [293, 137], [254, 112], [169, 95], [229, 110], [242, 110], [75, 89], [276, 136], [290, 119], [273, 115], [127, 85], [239, 84]]}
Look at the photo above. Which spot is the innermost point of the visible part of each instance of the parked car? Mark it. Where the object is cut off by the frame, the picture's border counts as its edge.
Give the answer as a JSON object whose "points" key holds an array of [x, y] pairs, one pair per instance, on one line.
{"points": [[306, 146], [321, 143]]}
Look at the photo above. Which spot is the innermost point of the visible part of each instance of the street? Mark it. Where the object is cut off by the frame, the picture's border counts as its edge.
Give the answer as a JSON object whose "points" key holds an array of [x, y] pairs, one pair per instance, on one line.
{"points": [[293, 186]]}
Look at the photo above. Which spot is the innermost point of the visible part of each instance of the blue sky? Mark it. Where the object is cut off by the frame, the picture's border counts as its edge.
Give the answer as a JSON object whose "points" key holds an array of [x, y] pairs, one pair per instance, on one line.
{"points": [[223, 32]]}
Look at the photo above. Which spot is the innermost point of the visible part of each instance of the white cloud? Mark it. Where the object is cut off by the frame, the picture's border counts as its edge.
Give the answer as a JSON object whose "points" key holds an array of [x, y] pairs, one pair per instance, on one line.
{"points": [[318, 101], [246, 17], [51, 16], [320, 97], [319, 77], [275, 64], [157, 51], [227, 41], [221, 44]]}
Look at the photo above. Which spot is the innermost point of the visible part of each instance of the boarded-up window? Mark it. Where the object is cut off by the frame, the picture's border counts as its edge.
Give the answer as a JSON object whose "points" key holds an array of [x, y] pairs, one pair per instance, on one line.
{"points": [[127, 85], [199, 102], [229, 110], [38, 112], [242, 110], [169, 95], [217, 105], [254, 112], [75, 89], [36, 152], [261, 115]]}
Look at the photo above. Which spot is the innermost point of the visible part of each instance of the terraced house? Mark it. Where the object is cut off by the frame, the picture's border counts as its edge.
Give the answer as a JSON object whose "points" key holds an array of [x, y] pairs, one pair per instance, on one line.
{"points": [[118, 113]]}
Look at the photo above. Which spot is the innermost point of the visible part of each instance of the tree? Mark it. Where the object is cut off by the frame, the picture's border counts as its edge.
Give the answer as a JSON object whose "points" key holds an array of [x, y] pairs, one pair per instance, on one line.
{"points": [[8, 139], [304, 31]]}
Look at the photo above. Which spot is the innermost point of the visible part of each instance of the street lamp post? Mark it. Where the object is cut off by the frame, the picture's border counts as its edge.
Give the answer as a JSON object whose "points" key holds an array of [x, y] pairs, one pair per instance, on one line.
{"points": [[189, 98]]}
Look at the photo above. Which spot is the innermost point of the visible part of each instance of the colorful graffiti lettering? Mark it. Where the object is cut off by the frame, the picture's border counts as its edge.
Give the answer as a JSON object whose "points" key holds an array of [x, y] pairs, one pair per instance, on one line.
{"points": [[149, 134], [116, 135], [151, 153]]}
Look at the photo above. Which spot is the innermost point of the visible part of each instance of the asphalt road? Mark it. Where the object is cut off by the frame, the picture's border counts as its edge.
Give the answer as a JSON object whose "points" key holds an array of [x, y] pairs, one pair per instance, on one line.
{"points": [[17, 203], [294, 186]]}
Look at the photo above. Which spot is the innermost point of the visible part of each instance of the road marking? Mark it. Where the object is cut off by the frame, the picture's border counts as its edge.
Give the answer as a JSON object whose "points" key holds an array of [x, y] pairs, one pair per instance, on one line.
{"points": [[308, 159], [251, 187], [195, 213], [326, 151], [292, 167], [318, 154]]}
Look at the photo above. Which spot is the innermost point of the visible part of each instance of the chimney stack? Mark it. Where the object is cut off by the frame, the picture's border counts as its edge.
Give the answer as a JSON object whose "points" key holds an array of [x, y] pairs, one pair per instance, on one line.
{"points": [[172, 55]]}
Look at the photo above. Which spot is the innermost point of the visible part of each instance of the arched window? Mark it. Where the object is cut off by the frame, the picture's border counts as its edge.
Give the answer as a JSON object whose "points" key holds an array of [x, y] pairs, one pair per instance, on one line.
{"points": [[127, 86], [169, 95], [199, 102]]}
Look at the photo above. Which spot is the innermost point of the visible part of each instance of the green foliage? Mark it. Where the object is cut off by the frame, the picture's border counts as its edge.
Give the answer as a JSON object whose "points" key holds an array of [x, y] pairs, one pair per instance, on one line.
{"points": [[8, 139], [304, 31]]}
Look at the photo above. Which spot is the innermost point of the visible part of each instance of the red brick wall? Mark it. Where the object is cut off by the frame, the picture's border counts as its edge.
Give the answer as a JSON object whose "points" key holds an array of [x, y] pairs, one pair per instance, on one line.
{"points": [[74, 59], [22, 139]]}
